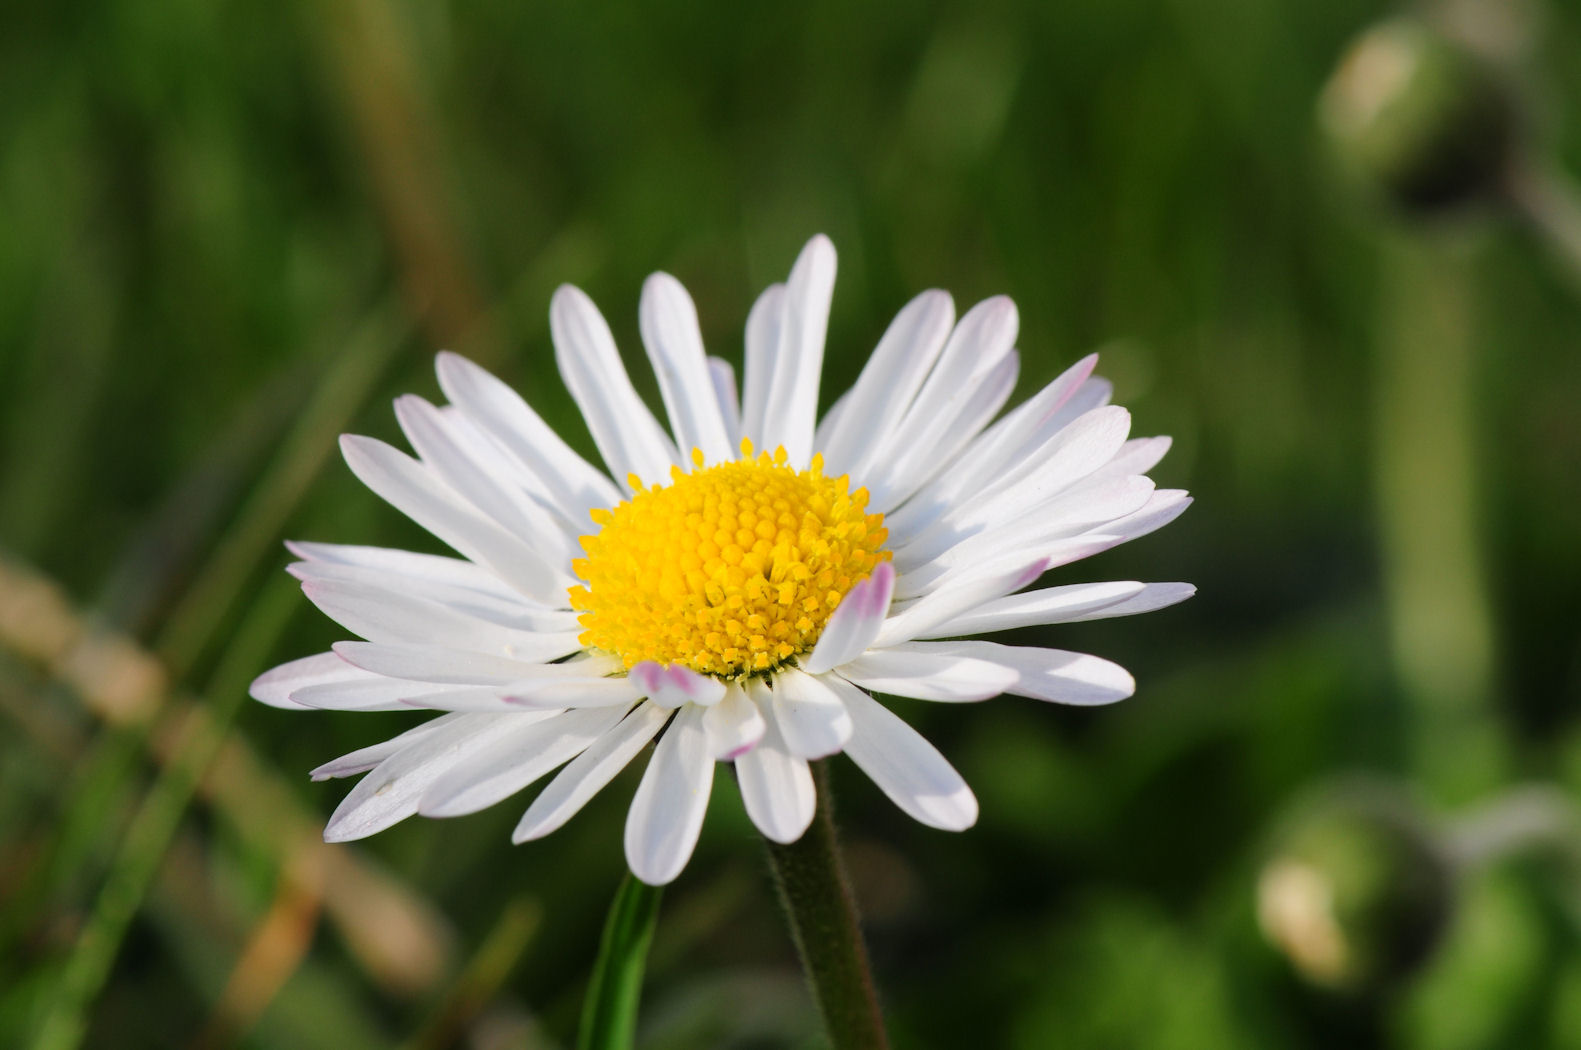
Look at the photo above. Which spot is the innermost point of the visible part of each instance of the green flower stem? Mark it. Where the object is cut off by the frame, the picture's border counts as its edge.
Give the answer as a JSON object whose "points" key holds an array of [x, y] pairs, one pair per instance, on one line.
{"points": [[817, 897], [609, 1016]]}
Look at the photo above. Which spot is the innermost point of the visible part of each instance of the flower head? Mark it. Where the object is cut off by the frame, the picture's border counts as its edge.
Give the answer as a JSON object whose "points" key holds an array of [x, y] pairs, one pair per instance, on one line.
{"points": [[741, 590]]}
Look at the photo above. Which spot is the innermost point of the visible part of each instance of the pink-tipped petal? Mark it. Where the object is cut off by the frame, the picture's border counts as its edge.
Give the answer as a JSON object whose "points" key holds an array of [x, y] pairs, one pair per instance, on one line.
{"points": [[855, 623], [673, 686], [734, 725]]}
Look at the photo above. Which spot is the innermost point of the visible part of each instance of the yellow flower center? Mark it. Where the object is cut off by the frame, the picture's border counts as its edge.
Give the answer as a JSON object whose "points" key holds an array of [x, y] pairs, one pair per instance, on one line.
{"points": [[728, 570]]}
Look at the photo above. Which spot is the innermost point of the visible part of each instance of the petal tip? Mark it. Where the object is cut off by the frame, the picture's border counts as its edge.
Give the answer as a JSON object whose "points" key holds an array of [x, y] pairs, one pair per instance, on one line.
{"points": [[336, 831]]}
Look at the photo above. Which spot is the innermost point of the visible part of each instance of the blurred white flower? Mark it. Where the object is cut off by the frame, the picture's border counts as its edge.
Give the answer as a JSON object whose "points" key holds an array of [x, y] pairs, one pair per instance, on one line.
{"points": [[740, 605]]}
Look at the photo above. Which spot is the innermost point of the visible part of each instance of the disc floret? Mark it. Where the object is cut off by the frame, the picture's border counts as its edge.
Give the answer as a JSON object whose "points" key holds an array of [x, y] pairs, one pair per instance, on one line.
{"points": [[728, 570]]}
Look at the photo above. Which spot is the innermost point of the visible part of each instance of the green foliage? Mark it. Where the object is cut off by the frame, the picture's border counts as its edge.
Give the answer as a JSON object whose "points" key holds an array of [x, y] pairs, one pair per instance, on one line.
{"points": [[231, 230]]}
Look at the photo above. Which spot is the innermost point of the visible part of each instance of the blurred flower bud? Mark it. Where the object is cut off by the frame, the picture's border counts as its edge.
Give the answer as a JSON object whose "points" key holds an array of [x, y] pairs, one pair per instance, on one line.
{"points": [[1420, 117], [1357, 891]]}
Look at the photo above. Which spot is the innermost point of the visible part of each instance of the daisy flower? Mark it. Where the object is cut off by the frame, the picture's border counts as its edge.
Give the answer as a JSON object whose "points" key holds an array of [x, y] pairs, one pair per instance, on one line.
{"points": [[738, 586]]}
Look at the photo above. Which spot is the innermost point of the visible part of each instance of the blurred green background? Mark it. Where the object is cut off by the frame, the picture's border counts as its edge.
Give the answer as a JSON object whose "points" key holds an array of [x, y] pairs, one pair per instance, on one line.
{"points": [[230, 231]]}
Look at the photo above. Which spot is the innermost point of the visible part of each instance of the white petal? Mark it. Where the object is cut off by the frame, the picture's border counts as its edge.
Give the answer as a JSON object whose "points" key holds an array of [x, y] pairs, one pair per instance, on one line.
{"points": [[412, 488], [497, 460], [1002, 447], [949, 571], [811, 719], [889, 380], [906, 767], [830, 420], [507, 610], [935, 449], [792, 408], [434, 663], [776, 788], [275, 686], [574, 692], [903, 671], [372, 693], [1030, 425], [947, 603], [675, 685], [762, 349], [734, 725], [668, 321], [388, 617], [1164, 507], [569, 791], [1043, 674], [628, 437], [515, 759], [1139, 455], [390, 792], [408, 568], [365, 758], [1094, 393], [501, 412], [1074, 453], [1077, 601], [855, 622], [666, 815], [975, 349], [1153, 596], [1071, 604], [445, 450], [1077, 450], [1089, 506], [723, 378], [485, 699]]}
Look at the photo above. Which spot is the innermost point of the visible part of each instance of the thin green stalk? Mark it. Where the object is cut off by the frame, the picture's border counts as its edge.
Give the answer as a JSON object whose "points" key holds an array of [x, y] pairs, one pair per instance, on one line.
{"points": [[609, 1015], [817, 897]]}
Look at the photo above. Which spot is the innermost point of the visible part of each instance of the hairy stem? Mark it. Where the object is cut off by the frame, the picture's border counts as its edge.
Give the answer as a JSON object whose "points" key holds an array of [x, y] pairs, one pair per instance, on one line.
{"points": [[817, 897]]}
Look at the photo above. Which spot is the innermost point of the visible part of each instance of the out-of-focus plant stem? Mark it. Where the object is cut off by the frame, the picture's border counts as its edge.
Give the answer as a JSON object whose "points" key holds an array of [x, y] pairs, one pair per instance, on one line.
{"points": [[818, 901], [400, 942], [187, 634], [65, 1020], [366, 49], [1427, 498]]}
